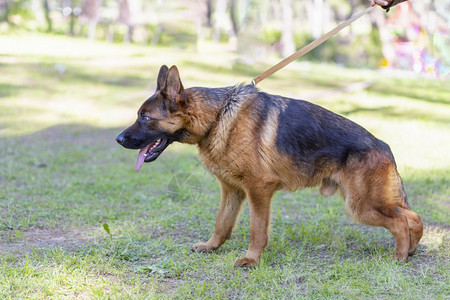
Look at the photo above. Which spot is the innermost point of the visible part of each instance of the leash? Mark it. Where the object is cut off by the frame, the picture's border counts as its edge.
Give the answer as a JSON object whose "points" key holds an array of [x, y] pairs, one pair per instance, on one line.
{"points": [[310, 46]]}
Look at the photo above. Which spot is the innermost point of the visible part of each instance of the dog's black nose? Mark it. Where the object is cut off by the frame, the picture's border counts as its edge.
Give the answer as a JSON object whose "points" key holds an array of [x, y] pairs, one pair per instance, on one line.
{"points": [[120, 138]]}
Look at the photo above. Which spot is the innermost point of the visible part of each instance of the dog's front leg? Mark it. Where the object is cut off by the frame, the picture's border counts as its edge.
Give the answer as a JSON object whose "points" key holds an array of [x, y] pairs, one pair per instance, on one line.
{"points": [[259, 203], [230, 206]]}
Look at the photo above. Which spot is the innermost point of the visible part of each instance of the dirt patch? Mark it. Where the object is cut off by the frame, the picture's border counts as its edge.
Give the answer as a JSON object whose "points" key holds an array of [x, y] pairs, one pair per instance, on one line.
{"points": [[22, 242], [435, 236]]}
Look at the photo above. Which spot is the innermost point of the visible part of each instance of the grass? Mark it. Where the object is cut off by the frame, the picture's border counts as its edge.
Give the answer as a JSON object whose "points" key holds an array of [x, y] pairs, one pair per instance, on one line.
{"points": [[62, 177]]}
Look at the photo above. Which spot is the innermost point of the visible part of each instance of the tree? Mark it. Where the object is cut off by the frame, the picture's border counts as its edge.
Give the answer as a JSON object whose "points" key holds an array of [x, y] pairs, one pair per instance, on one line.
{"points": [[5, 8], [125, 18], [287, 31], [48, 19], [91, 13]]}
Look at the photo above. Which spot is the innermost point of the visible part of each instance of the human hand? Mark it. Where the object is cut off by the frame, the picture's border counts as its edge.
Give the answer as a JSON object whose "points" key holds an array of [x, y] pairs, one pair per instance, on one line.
{"points": [[386, 4], [380, 2]]}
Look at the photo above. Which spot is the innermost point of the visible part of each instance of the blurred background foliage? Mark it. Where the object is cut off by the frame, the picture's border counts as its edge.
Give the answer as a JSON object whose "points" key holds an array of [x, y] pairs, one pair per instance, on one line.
{"points": [[412, 36]]}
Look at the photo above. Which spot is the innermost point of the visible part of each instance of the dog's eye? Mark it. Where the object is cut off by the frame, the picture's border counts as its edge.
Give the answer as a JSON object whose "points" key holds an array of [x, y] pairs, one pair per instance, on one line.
{"points": [[144, 117]]}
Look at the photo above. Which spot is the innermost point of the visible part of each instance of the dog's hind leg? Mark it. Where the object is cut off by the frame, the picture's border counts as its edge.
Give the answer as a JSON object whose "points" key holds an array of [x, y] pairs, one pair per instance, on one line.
{"points": [[397, 224], [230, 206], [415, 229], [373, 196], [375, 212]]}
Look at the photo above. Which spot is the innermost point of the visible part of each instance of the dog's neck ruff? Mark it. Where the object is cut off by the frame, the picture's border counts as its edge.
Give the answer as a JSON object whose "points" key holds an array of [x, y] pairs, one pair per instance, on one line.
{"points": [[233, 100]]}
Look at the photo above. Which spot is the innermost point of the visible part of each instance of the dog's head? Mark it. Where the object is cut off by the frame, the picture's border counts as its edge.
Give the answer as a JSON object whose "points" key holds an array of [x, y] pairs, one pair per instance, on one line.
{"points": [[160, 120]]}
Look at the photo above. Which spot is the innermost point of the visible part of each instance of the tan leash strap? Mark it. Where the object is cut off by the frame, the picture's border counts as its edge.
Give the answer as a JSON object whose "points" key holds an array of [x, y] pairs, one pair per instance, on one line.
{"points": [[309, 47]]}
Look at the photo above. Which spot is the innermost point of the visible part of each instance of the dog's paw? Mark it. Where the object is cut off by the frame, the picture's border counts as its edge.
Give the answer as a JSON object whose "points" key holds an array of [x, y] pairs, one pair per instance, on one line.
{"points": [[202, 247], [246, 262], [412, 250], [400, 258]]}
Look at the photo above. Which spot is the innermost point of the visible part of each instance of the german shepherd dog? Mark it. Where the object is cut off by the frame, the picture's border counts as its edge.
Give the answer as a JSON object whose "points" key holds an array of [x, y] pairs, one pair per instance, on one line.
{"points": [[257, 143]]}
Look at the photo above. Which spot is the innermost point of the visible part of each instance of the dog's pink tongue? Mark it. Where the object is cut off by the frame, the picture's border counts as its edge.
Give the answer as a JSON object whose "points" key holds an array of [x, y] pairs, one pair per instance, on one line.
{"points": [[140, 159]]}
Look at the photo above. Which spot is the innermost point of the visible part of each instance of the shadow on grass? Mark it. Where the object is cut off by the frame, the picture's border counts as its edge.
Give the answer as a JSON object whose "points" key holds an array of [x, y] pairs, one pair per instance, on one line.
{"points": [[7, 90], [439, 93], [394, 113], [42, 76]]}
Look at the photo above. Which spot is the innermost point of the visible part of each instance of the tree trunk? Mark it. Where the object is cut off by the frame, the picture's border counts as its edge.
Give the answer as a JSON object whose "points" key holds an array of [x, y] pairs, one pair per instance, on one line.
{"points": [[220, 16], [92, 29], [234, 17], [72, 24], [47, 16], [125, 18], [208, 13], [91, 12], [4, 3], [317, 18], [72, 17], [287, 33], [234, 31]]}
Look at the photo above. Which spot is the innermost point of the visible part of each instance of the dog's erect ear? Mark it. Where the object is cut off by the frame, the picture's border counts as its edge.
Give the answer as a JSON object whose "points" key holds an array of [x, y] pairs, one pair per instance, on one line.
{"points": [[173, 86], [161, 81]]}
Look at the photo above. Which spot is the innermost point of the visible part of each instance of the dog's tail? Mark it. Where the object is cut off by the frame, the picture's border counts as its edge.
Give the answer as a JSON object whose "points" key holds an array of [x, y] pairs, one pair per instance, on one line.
{"points": [[402, 192], [415, 223], [396, 187], [395, 182]]}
